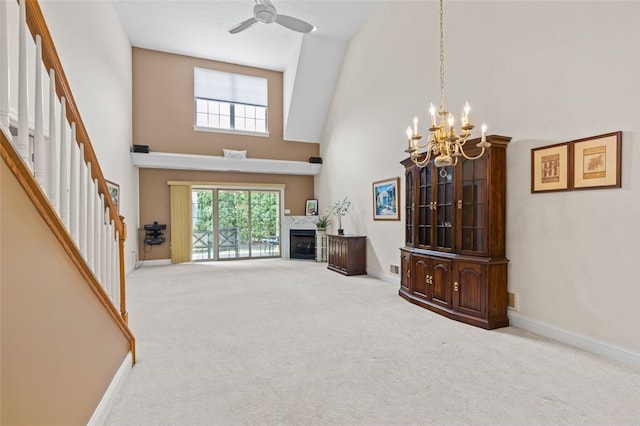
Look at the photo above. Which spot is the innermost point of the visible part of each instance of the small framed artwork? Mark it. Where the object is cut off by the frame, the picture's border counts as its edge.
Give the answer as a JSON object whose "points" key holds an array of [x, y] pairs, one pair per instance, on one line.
{"points": [[597, 162], [386, 199], [550, 168], [311, 208], [114, 191]]}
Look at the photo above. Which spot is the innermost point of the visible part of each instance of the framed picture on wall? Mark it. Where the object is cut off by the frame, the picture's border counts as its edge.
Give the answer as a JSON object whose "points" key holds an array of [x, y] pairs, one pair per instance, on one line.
{"points": [[550, 168], [386, 199], [311, 208], [597, 162], [114, 191]]}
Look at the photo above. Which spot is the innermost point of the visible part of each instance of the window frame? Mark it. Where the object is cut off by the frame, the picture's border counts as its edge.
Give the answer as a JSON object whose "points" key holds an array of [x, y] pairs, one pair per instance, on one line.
{"points": [[232, 107], [232, 129]]}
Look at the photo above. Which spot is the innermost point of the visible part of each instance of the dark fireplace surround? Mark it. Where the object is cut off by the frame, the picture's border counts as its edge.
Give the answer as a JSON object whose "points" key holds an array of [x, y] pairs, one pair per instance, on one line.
{"points": [[302, 244]]}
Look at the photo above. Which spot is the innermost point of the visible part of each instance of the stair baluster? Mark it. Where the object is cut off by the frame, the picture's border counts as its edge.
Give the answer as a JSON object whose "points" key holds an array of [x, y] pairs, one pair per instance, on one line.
{"points": [[4, 68]]}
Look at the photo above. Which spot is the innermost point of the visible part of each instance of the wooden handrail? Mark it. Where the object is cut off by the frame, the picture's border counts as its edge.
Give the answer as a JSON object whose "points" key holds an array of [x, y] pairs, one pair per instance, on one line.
{"points": [[51, 218], [38, 26]]}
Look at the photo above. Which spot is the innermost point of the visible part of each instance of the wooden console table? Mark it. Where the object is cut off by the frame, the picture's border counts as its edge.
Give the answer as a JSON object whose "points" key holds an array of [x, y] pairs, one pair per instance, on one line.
{"points": [[347, 254]]}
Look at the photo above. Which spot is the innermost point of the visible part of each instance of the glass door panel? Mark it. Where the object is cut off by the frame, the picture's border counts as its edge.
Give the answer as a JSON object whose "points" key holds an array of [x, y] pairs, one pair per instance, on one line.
{"points": [[233, 224], [425, 208], [444, 208], [409, 208], [473, 206], [202, 225], [265, 224]]}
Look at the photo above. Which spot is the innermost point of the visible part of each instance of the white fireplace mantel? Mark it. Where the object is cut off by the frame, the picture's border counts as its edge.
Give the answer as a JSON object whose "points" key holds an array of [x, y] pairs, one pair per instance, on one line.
{"points": [[295, 222]]}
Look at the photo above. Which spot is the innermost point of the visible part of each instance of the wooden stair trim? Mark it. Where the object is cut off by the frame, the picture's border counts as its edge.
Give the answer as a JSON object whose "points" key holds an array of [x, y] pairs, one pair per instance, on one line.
{"points": [[47, 212]]}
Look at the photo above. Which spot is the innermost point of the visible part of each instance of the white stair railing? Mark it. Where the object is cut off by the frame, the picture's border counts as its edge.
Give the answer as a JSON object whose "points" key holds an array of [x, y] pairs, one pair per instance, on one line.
{"points": [[22, 143], [4, 67], [73, 185], [53, 175], [40, 161]]}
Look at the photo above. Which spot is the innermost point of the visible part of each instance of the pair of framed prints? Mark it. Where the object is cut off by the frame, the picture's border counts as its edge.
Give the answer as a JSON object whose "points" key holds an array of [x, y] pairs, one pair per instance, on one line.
{"points": [[589, 163]]}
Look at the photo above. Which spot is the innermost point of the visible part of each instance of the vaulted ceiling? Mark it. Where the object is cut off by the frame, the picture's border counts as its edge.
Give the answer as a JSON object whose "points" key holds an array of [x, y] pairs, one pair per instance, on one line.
{"points": [[310, 62]]}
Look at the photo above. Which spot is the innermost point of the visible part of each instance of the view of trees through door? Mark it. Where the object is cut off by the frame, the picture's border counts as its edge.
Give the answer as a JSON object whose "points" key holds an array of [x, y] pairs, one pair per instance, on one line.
{"points": [[231, 223]]}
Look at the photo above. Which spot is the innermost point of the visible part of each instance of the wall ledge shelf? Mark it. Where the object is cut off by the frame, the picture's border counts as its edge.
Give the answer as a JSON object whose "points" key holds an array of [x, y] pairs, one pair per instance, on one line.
{"points": [[174, 161]]}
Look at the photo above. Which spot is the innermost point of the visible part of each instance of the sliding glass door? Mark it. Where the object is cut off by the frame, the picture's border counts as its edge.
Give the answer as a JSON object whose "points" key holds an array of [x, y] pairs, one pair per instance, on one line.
{"points": [[265, 223], [235, 223]]}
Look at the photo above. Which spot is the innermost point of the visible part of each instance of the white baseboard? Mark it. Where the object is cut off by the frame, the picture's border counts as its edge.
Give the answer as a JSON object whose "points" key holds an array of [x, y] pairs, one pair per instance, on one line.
{"points": [[391, 279], [108, 399], [589, 344], [159, 262]]}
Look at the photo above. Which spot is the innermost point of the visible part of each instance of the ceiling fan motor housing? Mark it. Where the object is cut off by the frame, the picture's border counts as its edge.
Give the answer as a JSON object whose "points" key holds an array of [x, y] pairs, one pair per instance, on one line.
{"points": [[265, 13]]}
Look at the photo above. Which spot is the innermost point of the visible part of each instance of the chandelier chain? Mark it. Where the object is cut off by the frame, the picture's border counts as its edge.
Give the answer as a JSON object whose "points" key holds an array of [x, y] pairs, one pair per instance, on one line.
{"points": [[442, 55], [444, 144]]}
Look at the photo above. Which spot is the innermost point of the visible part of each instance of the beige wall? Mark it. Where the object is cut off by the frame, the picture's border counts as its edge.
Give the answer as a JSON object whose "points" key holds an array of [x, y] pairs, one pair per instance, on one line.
{"points": [[154, 197], [163, 109], [163, 118], [60, 348], [535, 76]]}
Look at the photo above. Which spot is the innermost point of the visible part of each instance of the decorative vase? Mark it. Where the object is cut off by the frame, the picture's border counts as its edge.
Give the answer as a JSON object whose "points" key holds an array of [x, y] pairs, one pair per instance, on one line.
{"points": [[321, 232], [340, 230]]}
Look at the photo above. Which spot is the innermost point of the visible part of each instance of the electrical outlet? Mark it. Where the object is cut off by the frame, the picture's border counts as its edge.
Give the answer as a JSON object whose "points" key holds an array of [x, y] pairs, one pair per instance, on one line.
{"points": [[511, 301], [394, 269]]}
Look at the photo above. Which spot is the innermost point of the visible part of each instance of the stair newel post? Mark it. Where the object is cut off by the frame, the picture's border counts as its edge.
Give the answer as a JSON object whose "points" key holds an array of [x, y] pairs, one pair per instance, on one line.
{"points": [[74, 220], [4, 66], [104, 242], [123, 291], [82, 203], [116, 264], [53, 151], [39, 147], [113, 271], [90, 225], [99, 224], [108, 272], [23, 91]]}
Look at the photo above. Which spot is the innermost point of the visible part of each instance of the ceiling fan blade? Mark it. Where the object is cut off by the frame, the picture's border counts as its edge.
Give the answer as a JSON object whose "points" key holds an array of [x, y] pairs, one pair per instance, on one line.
{"points": [[242, 25], [295, 24]]}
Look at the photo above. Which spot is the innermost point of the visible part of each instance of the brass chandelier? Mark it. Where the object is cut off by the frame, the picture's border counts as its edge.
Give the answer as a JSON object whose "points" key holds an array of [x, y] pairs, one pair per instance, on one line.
{"points": [[444, 143]]}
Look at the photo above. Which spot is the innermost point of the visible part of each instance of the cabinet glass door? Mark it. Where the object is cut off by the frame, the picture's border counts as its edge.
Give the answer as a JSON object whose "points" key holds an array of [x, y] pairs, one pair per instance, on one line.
{"points": [[409, 208], [425, 207], [472, 236], [444, 208]]}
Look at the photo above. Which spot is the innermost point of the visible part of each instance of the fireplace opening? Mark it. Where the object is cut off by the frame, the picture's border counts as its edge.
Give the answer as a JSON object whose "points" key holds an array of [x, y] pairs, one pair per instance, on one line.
{"points": [[302, 244]]}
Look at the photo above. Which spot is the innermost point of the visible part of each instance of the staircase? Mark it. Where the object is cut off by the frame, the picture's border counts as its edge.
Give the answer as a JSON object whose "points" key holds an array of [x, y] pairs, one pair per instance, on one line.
{"points": [[47, 150]]}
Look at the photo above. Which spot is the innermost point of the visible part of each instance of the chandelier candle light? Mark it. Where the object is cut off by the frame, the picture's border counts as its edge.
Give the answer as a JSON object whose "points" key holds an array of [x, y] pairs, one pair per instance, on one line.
{"points": [[444, 143]]}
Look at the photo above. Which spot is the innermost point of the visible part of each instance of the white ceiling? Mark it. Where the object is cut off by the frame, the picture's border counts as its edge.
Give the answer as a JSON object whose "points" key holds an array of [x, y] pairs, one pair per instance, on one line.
{"points": [[199, 28]]}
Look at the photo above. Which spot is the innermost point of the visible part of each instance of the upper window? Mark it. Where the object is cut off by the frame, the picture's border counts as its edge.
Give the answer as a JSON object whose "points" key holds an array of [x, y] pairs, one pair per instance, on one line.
{"points": [[230, 102]]}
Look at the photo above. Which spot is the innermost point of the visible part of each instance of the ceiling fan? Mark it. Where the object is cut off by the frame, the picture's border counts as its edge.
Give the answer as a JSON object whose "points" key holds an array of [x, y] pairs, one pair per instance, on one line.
{"points": [[265, 12]]}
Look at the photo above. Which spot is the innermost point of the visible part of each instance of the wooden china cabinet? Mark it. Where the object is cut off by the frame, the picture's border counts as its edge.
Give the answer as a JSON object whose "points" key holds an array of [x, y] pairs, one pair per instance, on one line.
{"points": [[453, 262]]}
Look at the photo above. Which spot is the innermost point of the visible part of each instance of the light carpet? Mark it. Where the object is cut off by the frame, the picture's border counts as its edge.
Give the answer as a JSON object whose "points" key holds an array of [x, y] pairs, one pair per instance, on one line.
{"points": [[279, 342]]}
